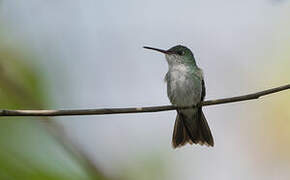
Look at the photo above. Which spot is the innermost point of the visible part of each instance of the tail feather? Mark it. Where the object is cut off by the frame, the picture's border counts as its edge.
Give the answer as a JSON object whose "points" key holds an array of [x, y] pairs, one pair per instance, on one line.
{"points": [[180, 136], [205, 132], [193, 129]]}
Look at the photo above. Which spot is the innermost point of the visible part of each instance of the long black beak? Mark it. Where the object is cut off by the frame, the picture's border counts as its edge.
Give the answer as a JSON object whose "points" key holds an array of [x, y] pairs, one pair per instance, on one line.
{"points": [[159, 50]]}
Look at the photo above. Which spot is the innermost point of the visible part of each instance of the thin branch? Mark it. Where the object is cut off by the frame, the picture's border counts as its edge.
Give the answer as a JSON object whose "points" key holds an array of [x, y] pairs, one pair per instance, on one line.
{"points": [[55, 129], [138, 109]]}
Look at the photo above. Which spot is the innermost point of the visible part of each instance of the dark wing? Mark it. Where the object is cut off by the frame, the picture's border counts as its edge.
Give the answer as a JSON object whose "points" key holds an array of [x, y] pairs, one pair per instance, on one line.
{"points": [[203, 90]]}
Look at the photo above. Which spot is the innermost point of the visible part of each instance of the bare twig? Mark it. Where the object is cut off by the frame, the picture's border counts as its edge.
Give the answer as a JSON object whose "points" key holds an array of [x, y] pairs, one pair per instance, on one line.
{"points": [[138, 109], [55, 129]]}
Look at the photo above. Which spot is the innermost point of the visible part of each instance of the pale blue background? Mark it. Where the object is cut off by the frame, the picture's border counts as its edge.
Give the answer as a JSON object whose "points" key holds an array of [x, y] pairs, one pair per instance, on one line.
{"points": [[92, 54]]}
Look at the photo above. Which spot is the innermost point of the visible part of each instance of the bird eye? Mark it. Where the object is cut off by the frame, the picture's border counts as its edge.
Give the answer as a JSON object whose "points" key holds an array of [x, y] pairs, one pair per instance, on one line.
{"points": [[180, 53]]}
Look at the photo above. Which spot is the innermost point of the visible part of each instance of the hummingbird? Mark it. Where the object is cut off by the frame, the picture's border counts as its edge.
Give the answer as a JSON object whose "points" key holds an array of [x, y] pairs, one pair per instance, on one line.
{"points": [[186, 87]]}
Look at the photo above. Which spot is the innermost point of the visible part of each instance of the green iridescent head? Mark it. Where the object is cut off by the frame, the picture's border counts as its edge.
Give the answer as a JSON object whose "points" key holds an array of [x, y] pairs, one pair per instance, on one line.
{"points": [[177, 55]]}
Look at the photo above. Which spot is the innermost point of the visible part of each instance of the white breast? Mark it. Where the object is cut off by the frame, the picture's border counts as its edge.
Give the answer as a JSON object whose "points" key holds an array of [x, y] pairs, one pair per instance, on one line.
{"points": [[183, 86]]}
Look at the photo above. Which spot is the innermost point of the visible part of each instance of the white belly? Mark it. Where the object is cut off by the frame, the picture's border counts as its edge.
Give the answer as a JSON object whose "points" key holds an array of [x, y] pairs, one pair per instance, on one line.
{"points": [[183, 88]]}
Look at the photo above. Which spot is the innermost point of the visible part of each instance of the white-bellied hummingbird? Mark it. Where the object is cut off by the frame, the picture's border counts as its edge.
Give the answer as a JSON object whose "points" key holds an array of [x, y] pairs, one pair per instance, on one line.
{"points": [[185, 87]]}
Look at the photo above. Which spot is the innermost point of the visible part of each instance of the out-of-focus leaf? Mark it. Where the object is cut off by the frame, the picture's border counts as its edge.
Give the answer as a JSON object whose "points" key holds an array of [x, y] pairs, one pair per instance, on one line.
{"points": [[22, 85], [27, 151]]}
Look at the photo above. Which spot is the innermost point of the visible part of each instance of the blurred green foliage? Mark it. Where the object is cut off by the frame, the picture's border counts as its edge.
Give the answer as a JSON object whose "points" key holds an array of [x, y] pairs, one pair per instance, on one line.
{"points": [[27, 150], [21, 85]]}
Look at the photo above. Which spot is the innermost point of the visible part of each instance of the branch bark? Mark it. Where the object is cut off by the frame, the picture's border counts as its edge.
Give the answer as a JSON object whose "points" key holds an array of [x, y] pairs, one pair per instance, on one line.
{"points": [[103, 111]]}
